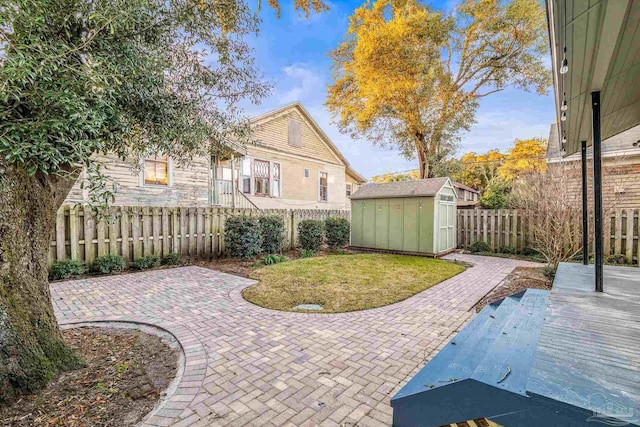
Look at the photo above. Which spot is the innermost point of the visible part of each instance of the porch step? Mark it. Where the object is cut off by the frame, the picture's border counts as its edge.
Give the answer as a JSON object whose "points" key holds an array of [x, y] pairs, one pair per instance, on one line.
{"points": [[494, 350]]}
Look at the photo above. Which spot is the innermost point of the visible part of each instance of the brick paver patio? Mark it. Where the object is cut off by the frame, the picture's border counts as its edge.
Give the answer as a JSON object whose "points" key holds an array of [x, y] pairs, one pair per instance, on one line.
{"points": [[245, 365]]}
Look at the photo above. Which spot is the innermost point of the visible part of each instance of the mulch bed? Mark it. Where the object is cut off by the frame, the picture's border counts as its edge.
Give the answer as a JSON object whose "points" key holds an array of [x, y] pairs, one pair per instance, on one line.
{"points": [[521, 278], [126, 373], [243, 268]]}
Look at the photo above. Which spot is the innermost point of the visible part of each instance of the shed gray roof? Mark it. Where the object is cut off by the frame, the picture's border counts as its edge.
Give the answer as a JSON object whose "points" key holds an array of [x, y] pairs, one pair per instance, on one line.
{"points": [[416, 188]]}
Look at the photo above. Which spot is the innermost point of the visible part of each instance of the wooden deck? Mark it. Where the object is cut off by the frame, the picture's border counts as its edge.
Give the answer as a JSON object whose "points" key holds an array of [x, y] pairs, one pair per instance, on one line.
{"points": [[565, 357], [589, 348]]}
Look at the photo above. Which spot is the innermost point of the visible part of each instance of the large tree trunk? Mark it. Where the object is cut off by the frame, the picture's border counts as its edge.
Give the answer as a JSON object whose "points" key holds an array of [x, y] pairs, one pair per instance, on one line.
{"points": [[32, 350], [423, 155], [423, 163]]}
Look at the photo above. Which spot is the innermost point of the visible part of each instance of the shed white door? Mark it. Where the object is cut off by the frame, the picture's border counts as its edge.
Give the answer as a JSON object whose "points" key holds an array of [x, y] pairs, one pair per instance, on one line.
{"points": [[446, 223]]}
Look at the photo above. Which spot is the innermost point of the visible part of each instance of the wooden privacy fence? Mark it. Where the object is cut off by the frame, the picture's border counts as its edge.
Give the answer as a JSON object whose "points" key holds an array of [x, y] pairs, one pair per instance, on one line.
{"points": [[497, 227], [134, 232], [508, 227]]}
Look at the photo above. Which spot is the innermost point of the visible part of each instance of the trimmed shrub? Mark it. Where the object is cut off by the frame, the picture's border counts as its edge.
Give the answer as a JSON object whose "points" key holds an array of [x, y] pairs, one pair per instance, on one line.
{"points": [[307, 253], [243, 237], [480, 246], [310, 234], [65, 269], [108, 264], [272, 228], [337, 231], [146, 262], [510, 250], [274, 259], [171, 259], [616, 259]]}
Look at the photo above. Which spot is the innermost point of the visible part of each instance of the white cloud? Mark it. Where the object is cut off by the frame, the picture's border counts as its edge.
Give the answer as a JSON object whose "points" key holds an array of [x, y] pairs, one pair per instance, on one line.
{"points": [[299, 81]]}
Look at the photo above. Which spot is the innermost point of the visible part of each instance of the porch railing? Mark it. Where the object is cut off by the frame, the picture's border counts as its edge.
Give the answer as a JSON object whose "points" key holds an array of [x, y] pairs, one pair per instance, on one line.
{"points": [[223, 196]]}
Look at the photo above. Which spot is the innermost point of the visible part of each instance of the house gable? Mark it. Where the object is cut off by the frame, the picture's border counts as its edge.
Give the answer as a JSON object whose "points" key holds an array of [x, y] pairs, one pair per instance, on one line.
{"points": [[274, 131]]}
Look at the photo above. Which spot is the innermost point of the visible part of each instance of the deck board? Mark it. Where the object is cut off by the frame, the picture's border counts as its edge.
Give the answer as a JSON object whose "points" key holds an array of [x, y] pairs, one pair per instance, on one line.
{"points": [[589, 348]]}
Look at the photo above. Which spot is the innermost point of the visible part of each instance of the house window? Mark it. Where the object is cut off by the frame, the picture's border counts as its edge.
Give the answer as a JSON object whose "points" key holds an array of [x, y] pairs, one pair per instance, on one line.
{"points": [[295, 133], [348, 190], [245, 171], [306, 173], [156, 170], [324, 179], [261, 177], [226, 174], [275, 179]]}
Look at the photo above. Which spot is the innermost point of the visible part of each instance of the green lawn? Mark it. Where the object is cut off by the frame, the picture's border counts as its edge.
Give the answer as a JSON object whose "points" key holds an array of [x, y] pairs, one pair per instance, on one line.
{"points": [[346, 282]]}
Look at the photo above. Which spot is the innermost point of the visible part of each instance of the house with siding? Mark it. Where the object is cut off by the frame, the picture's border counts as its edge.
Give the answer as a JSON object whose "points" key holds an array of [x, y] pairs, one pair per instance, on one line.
{"points": [[292, 164], [620, 166], [468, 197]]}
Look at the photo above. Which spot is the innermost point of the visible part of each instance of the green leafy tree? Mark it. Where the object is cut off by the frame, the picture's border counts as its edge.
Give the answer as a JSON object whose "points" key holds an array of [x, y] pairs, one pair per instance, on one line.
{"points": [[412, 77], [495, 195], [79, 78]]}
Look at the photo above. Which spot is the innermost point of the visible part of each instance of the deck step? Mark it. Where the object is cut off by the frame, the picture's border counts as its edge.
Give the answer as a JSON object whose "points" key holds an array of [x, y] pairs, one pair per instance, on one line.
{"points": [[459, 357]]}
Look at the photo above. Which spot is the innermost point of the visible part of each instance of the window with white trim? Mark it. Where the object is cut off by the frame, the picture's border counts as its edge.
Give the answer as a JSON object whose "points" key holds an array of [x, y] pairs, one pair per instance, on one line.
{"points": [[323, 186], [275, 179], [348, 190], [245, 172], [156, 170], [261, 177]]}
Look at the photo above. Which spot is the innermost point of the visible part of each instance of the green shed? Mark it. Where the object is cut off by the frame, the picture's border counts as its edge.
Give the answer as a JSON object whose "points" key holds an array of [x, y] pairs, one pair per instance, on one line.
{"points": [[407, 216]]}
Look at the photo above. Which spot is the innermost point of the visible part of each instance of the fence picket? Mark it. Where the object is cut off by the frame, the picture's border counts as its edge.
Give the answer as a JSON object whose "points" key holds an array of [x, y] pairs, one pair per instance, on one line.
{"points": [[73, 232], [124, 233], [628, 237], [61, 251]]}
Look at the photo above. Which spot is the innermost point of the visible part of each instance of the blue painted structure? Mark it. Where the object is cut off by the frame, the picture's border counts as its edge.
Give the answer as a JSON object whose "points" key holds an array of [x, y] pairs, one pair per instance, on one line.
{"points": [[509, 364]]}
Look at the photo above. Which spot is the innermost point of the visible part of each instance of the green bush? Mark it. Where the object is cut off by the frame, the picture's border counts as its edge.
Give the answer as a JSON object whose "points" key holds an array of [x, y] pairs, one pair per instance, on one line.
{"points": [[272, 228], [507, 250], [310, 234], [65, 269], [243, 237], [146, 262], [108, 264], [527, 251], [480, 246], [307, 253], [495, 195], [337, 232], [616, 259], [273, 259], [172, 259]]}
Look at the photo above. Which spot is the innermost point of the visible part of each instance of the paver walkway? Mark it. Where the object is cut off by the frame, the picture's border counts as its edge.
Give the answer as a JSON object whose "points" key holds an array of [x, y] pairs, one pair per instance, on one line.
{"points": [[246, 365]]}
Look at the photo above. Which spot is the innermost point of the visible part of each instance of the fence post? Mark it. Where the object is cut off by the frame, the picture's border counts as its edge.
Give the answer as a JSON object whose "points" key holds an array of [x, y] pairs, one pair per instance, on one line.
{"points": [[124, 232], [73, 232], [60, 235]]}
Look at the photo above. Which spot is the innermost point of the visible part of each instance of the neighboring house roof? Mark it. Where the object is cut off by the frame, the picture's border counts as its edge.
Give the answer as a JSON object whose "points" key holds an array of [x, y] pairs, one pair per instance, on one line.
{"points": [[464, 187], [298, 106], [464, 203], [623, 144], [417, 188]]}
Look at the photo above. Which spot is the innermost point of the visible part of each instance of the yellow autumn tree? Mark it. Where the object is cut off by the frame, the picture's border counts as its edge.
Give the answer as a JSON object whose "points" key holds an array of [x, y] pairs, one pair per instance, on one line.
{"points": [[526, 157], [411, 77], [394, 177], [478, 170]]}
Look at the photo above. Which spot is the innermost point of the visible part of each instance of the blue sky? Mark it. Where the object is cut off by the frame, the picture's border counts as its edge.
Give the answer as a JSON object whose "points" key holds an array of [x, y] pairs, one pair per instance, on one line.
{"points": [[293, 51]]}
